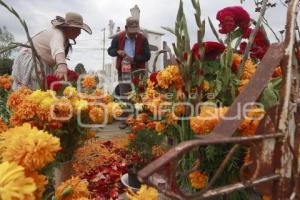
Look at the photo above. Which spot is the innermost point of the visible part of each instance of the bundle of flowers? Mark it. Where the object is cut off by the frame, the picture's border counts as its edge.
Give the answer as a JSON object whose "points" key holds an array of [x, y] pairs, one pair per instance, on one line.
{"points": [[24, 151], [101, 164], [190, 98]]}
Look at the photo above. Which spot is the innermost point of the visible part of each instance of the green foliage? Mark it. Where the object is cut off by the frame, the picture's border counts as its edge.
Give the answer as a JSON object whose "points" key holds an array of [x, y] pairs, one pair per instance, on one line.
{"points": [[143, 143], [270, 95], [80, 69], [6, 65]]}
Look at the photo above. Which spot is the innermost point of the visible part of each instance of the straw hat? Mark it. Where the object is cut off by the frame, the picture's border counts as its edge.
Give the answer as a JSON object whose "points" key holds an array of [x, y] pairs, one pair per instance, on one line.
{"points": [[132, 25], [71, 20]]}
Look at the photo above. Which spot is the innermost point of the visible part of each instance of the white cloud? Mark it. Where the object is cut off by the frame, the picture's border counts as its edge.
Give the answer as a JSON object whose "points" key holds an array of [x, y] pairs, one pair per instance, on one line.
{"points": [[97, 13]]}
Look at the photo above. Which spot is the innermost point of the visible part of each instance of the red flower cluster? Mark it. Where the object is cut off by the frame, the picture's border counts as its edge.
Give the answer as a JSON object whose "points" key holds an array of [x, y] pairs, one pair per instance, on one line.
{"points": [[232, 17], [53, 82], [212, 50], [72, 76], [153, 78], [259, 47]]}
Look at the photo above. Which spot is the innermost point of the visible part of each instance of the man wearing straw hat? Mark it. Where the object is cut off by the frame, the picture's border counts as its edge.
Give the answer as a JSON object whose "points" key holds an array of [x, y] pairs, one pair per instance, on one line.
{"points": [[52, 45]]}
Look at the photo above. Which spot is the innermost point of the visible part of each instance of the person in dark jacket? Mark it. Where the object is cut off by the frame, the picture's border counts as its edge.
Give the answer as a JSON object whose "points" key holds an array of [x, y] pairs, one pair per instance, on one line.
{"points": [[131, 46]]}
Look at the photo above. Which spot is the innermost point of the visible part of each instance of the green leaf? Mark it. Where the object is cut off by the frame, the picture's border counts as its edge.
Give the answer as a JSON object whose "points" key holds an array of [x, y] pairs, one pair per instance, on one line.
{"points": [[214, 30], [269, 97]]}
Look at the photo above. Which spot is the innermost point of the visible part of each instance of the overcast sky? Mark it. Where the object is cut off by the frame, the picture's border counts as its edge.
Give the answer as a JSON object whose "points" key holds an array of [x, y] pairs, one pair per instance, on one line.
{"points": [[97, 13]]}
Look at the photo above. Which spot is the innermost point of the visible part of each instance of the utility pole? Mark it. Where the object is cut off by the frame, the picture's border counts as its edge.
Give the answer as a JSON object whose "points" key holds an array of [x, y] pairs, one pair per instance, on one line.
{"points": [[103, 49]]}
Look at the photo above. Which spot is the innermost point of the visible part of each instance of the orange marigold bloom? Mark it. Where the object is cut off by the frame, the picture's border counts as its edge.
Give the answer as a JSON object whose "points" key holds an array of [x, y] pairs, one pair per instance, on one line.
{"points": [[209, 117], [40, 182], [89, 82], [205, 85], [6, 81], [3, 126], [15, 120], [26, 110], [76, 188], [249, 70], [96, 114], [198, 179], [249, 125], [16, 97], [159, 127], [169, 76]]}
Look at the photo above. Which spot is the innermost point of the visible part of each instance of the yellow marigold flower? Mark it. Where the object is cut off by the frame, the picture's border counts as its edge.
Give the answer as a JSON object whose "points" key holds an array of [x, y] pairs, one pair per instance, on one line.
{"points": [[16, 97], [144, 193], [205, 85], [37, 96], [242, 85], [198, 179], [249, 70], [79, 104], [14, 185], [40, 181], [29, 147], [70, 92], [159, 127], [73, 188], [168, 76], [6, 81], [114, 109], [209, 117], [89, 82], [96, 114], [3, 126]]}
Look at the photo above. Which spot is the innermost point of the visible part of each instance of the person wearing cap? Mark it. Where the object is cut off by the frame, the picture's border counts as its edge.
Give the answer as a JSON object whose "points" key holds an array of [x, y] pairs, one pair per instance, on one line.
{"points": [[130, 45], [52, 45]]}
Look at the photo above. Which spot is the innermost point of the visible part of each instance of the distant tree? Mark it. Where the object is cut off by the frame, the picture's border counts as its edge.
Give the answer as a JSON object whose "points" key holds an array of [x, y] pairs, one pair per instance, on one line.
{"points": [[5, 61], [80, 69], [6, 38]]}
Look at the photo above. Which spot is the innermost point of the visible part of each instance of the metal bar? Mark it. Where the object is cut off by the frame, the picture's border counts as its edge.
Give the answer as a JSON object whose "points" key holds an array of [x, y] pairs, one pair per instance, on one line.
{"points": [[237, 186], [219, 170], [251, 92], [185, 146]]}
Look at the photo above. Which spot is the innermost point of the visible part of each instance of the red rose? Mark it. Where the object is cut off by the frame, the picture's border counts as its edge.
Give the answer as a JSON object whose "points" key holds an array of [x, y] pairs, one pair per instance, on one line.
{"points": [[232, 17], [212, 50], [53, 82]]}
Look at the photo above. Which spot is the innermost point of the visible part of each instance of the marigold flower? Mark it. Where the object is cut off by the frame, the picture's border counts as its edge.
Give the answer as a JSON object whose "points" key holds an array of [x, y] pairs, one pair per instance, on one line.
{"points": [[159, 127], [198, 179], [236, 61], [145, 192], [29, 147], [89, 82], [209, 117], [277, 72], [249, 70], [169, 76], [14, 185], [249, 125], [16, 97], [70, 92], [96, 114], [40, 181], [76, 189], [3, 126], [6, 81]]}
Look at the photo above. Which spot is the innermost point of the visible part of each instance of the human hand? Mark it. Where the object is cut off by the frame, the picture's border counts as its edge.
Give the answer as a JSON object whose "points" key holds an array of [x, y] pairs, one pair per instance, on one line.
{"points": [[121, 53], [62, 72], [130, 59]]}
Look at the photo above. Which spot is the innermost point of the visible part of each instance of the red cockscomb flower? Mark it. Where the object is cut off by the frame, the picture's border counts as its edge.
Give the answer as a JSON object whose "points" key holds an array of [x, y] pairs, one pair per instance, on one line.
{"points": [[53, 82], [72, 75], [212, 50], [153, 78], [136, 81], [260, 44], [232, 17]]}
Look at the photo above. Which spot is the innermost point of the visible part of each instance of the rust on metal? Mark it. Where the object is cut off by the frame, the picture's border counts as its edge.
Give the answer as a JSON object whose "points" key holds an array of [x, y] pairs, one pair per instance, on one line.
{"points": [[251, 92]]}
